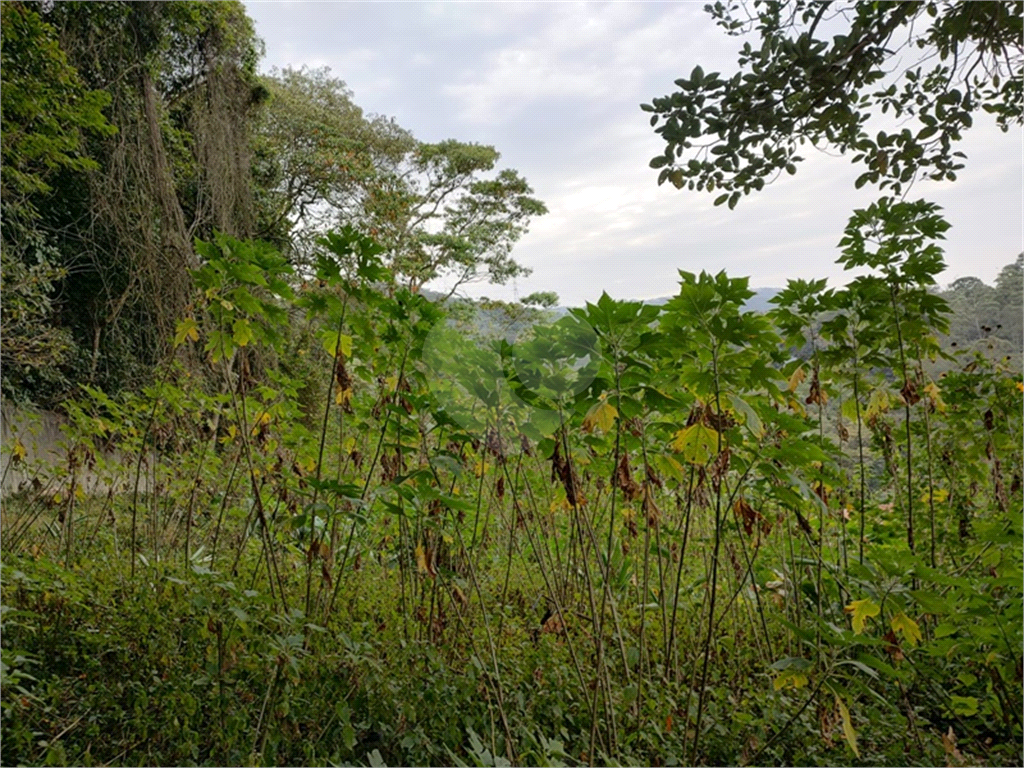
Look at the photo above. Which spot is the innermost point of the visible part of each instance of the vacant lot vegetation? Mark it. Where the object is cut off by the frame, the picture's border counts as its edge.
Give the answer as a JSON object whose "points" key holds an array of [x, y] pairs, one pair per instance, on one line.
{"points": [[647, 535], [302, 515]]}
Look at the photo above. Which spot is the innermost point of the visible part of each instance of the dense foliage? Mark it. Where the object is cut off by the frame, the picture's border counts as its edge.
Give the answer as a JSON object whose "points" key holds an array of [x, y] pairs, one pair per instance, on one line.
{"points": [[131, 128], [302, 514], [639, 534]]}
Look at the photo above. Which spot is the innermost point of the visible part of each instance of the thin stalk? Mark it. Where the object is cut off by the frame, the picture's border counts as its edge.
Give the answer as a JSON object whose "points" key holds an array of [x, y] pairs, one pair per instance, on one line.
{"points": [[906, 408], [714, 567]]}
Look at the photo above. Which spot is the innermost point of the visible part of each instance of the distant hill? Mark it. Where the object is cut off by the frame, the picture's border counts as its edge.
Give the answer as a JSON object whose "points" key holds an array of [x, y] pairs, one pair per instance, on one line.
{"points": [[500, 319], [757, 303]]}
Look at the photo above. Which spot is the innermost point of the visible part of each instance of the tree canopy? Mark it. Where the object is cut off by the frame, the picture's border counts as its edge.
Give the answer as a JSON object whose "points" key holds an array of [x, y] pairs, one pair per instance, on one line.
{"points": [[440, 216]]}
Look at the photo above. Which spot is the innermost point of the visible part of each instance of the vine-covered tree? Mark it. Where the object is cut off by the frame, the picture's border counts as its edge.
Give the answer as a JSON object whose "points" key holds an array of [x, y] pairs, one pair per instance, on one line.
{"points": [[115, 207], [46, 112]]}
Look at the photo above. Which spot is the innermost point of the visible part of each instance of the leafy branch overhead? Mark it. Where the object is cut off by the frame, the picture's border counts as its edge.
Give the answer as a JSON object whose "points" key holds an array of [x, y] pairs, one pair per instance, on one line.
{"points": [[839, 76]]}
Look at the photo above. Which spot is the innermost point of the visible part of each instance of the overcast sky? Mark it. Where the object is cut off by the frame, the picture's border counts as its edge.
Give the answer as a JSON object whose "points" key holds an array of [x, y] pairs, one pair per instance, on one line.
{"points": [[556, 88]]}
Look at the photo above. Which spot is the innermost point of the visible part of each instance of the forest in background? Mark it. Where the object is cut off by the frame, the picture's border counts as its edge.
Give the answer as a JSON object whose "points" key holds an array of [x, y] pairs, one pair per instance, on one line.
{"points": [[308, 511]]}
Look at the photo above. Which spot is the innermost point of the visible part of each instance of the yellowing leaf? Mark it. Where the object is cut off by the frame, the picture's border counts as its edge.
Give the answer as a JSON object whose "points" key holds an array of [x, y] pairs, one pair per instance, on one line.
{"points": [[931, 391], [790, 678], [242, 333], [559, 503], [342, 344], [697, 443], [877, 404], [18, 451], [907, 628], [848, 733], [187, 328], [796, 379], [423, 564], [602, 416], [861, 610], [345, 345], [342, 396]]}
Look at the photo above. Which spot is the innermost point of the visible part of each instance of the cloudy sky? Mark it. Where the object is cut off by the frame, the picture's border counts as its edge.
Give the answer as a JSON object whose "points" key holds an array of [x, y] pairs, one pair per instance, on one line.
{"points": [[556, 88]]}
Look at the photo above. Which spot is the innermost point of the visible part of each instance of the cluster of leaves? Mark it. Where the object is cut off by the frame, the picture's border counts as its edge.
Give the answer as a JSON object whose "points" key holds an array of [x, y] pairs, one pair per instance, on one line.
{"points": [[934, 64]]}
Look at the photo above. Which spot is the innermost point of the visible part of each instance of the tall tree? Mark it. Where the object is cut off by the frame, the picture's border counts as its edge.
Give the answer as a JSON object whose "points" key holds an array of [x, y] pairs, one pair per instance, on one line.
{"points": [[1010, 298], [180, 78], [442, 218], [316, 153], [437, 208], [974, 306]]}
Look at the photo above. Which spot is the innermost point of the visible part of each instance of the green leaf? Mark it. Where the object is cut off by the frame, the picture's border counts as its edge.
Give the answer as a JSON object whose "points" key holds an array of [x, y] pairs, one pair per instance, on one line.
{"points": [[750, 418], [931, 602], [247, 273], [219, 345], [965, 706], [792, 662]]}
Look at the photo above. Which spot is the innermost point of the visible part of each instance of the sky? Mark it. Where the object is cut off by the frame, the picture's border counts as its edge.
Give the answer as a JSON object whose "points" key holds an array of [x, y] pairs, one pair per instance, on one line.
{"points": [[555, 87]]}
